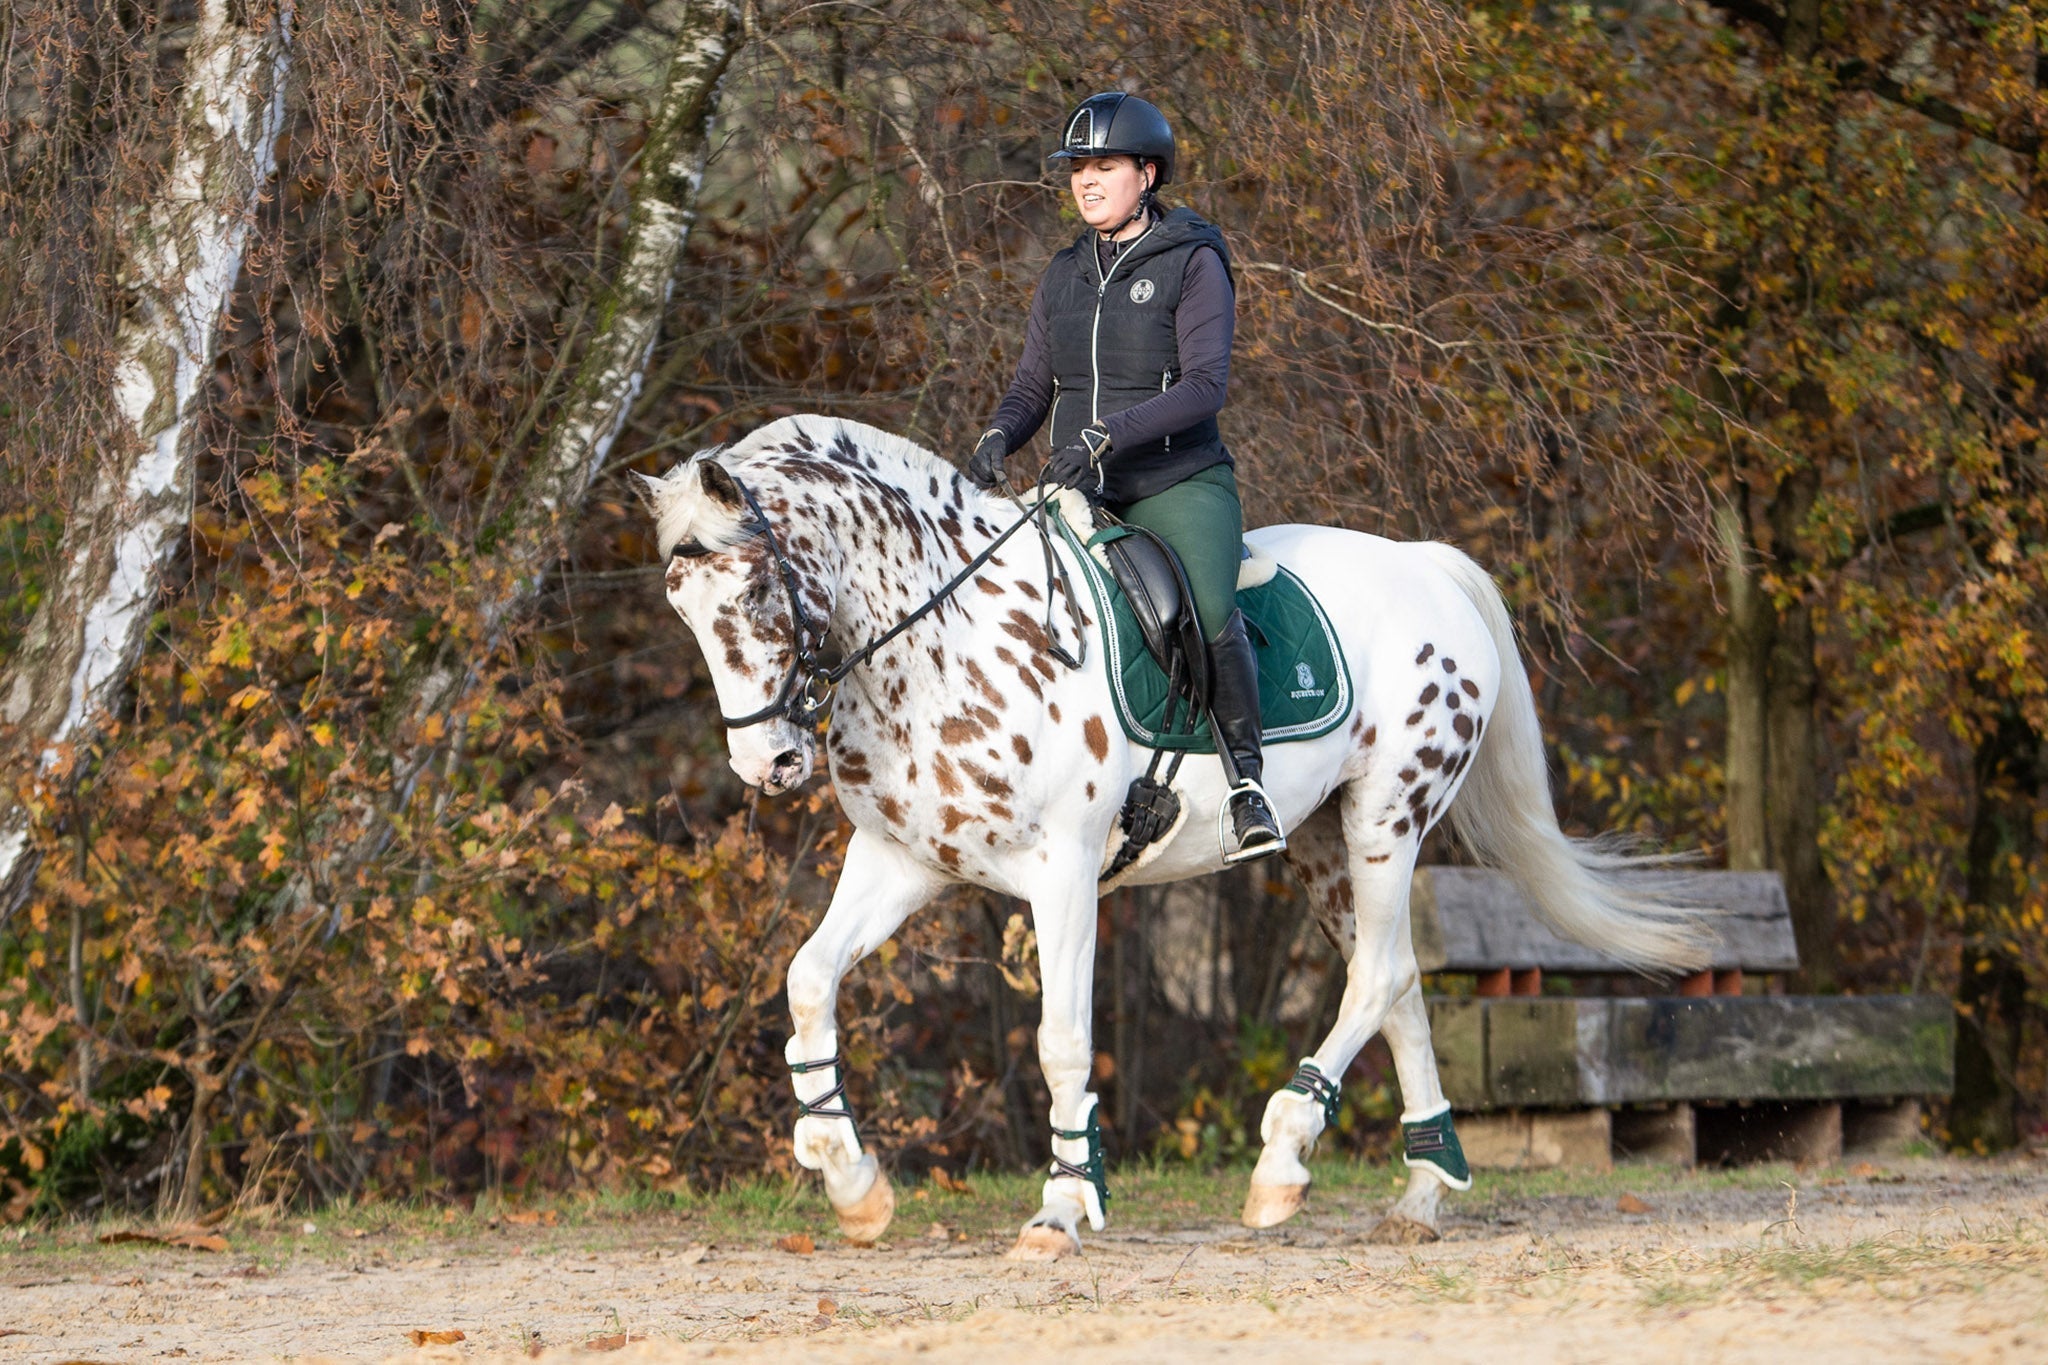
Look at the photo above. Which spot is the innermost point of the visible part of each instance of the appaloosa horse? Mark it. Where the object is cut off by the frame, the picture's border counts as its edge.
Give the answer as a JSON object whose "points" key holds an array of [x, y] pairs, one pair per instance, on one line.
{"points": [[967, 748]]}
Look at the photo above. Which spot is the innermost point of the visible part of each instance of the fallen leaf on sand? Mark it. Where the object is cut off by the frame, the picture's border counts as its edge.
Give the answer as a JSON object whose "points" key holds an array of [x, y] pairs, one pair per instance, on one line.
{"points": [[189, 1239], [1628, 1203], [615, 1342], [826, 1308], [691, 1255], [526, 1218], [449, 1338], [797, 1244]]}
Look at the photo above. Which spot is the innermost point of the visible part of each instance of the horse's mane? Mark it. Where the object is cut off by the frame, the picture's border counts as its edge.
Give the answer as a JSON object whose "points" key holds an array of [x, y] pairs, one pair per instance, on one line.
{"points": [[683, 510]]}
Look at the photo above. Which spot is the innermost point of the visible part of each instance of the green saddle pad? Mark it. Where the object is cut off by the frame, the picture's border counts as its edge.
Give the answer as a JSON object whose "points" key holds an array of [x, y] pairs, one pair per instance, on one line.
{"points": [[1304, 687]]}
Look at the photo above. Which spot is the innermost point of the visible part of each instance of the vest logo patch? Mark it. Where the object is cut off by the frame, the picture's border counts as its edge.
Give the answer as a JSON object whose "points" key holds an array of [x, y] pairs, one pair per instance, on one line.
{"points": [[1306, 676], [1141, 291]]}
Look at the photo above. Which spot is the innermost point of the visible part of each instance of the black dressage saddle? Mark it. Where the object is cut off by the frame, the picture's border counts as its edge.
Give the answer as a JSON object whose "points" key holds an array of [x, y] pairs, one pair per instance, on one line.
{"points": [[1150, 574]]}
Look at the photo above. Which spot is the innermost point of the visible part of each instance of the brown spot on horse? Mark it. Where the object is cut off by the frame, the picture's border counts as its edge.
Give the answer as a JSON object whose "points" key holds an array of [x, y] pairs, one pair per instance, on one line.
{"points": [[1097, 737]]}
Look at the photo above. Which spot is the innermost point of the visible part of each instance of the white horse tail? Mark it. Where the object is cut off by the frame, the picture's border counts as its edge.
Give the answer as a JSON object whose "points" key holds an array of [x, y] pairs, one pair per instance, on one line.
{"points": [[1504, 816]]}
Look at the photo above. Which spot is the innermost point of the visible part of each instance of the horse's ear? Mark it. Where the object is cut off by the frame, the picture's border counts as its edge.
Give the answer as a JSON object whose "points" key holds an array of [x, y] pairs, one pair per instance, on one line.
{"points": [[720, 486], [649, 488]]}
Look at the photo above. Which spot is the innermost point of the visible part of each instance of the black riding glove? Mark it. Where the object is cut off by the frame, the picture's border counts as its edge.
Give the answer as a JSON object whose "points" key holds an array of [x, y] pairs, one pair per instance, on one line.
{"points": [[1078, 463], [985, 466]]}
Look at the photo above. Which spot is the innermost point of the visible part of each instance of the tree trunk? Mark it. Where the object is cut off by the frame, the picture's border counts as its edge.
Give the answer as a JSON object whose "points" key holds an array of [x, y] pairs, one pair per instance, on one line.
{"points": [[1991, 995], [182, 261], [1791, 702], [629, 316], [1749, 660]]}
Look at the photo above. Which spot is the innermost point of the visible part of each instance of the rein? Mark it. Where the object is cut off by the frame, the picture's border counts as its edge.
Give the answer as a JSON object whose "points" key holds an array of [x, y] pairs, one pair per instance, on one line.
{"points": [[809, 686]]}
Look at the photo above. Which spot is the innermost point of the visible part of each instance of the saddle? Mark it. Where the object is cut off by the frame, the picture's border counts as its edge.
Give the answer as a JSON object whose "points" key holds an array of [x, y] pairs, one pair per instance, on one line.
{"points": [[1156, 586], [1158, 662]]}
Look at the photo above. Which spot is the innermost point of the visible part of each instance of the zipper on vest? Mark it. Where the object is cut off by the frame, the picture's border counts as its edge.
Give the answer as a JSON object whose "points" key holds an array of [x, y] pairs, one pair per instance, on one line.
{"points": [[1095, 330], [1053, 422]]}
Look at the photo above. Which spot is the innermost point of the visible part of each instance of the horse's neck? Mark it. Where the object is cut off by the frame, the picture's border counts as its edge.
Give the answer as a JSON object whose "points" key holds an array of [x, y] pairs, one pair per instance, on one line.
{"points": [[881, 585], [904, 544]]}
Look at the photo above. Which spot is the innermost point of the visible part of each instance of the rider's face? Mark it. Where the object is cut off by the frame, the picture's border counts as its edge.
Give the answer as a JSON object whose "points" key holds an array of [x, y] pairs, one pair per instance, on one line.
{"points": [[1106, 189]]}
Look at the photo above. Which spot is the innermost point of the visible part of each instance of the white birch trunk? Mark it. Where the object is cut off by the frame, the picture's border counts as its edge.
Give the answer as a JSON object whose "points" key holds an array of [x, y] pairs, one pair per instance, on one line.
{"points": [[182, 263], [629, 314]]}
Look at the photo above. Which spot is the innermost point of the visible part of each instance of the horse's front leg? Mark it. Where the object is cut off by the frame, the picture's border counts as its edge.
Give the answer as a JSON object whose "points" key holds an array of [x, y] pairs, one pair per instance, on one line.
{"points": [[1064, 918], [879, 887]]}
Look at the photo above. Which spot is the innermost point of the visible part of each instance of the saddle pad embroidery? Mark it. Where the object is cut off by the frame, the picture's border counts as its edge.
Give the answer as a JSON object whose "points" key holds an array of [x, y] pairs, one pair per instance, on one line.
{"points": [[1304, 685]]}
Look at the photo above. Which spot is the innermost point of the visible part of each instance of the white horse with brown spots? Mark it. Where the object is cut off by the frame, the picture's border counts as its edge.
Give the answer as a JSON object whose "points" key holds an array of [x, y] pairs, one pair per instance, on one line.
{"points": [[965, 750]]}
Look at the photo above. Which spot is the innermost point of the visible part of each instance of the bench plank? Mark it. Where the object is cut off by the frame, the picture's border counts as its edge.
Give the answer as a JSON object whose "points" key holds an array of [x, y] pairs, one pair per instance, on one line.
{"points": [[1474, 919]]}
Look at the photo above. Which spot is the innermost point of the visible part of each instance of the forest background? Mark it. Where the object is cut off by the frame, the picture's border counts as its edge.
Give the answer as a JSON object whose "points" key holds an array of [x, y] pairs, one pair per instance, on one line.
{"points": [[367, 828]]}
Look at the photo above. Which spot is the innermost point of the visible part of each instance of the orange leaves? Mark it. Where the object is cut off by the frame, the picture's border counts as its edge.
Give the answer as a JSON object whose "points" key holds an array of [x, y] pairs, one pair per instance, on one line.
{"points": [[183, 1238]]}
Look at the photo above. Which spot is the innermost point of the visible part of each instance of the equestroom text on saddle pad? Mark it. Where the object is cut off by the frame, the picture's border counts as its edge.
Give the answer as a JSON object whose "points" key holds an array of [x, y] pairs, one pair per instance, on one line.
{"points": [[1304, 687]]}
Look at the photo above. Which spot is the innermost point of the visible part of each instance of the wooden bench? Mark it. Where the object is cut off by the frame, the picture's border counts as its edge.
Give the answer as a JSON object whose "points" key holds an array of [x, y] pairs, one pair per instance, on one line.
{"points": [[1719, 1067]]}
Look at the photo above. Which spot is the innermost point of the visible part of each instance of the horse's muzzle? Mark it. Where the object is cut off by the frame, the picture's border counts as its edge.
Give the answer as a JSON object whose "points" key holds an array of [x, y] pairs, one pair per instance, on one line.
{"points": [[786, 771]]}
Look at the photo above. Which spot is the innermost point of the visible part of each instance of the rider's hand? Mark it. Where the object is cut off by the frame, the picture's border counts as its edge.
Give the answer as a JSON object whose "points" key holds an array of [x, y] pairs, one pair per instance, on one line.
{"points": [[985, 467], [1078, 463]]}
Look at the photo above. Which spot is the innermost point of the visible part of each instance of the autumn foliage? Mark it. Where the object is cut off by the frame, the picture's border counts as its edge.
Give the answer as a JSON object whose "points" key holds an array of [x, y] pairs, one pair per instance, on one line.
{"points": [[1716, 331]]}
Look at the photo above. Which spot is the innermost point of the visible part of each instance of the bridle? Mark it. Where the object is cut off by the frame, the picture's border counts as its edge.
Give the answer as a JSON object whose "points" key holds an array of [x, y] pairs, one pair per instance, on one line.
{"points": [[809, 685]]}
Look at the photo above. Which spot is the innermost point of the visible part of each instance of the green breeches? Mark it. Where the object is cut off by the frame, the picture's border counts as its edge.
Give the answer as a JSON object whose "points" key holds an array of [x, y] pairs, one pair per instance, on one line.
{"points": [[1202, 519]]}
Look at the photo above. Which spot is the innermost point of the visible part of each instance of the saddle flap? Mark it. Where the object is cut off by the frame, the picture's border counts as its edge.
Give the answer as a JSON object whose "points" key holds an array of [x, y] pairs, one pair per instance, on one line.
{"points": [[1157, 587]]}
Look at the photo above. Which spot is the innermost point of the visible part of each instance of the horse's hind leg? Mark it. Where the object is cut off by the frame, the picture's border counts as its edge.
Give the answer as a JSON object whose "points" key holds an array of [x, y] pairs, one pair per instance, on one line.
{"points": [[1383, 990], [1316, 852], [879, 887]]}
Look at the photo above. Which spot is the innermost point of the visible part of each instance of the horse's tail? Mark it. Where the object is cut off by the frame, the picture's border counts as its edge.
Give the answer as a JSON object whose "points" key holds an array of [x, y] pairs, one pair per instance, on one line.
{"points": [[1503, 815]]}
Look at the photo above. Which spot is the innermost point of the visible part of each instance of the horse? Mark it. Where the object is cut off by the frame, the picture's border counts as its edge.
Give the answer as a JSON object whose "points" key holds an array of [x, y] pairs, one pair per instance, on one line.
{"points": [[972, 739]]}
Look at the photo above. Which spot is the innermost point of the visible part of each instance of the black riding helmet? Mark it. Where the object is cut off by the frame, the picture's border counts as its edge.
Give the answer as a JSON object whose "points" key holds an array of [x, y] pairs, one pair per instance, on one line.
{"points": [[1116, 124]]}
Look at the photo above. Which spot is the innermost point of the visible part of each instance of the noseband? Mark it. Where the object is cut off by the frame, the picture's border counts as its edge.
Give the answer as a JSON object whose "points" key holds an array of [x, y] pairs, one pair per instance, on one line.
{"points": [[809, 685]]}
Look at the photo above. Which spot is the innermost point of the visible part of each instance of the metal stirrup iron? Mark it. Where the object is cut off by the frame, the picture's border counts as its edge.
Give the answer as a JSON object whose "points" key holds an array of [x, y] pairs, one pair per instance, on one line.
{"points": [[820, 1108]]}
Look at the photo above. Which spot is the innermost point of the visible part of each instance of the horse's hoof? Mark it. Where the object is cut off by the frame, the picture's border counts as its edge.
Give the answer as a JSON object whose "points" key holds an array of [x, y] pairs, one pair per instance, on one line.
{"points": [[1397, 1230], [865, 1220], [1041, 1243], [1268, 1206]]}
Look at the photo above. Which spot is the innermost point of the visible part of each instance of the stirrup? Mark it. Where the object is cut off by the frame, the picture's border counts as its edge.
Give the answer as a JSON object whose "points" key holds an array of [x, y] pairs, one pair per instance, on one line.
{"points": [[1226, 835]]}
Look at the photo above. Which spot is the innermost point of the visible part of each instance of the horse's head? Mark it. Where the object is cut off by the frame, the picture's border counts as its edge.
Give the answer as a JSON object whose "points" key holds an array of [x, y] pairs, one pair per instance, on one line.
{"points": [[758, 607]]}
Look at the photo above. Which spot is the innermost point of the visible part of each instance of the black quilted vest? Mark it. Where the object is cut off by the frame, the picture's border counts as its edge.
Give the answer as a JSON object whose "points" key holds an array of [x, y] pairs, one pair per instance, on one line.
{"points": [[1112, 343]]}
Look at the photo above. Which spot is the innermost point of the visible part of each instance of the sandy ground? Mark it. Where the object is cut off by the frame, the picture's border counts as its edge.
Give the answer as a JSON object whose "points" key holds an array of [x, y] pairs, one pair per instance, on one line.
{"points": [[1925, 1260]]}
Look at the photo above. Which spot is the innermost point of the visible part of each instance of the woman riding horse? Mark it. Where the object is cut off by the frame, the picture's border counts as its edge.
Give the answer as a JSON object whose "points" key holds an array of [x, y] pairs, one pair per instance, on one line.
{"points": [[1128, 349]]}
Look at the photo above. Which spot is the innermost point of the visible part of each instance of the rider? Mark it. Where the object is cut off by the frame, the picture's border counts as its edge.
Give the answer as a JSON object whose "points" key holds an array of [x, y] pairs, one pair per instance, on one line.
{"points": [[1128, 346]]}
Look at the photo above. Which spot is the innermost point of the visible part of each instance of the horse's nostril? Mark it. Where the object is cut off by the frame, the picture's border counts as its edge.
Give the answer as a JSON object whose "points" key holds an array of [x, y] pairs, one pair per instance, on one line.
{"points": [[789, 758]]}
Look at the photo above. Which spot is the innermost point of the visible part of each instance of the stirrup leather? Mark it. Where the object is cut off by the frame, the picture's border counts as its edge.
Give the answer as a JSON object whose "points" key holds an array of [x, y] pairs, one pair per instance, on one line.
{"points": [[1226, 835]]}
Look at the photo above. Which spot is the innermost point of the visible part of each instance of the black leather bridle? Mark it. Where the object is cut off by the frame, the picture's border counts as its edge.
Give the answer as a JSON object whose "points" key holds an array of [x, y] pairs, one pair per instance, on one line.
{"points": [[810, 684]]}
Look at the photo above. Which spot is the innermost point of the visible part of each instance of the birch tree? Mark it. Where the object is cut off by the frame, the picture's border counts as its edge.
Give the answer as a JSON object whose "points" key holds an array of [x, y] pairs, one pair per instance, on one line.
{"points": [[609, 377], [181, 260]]}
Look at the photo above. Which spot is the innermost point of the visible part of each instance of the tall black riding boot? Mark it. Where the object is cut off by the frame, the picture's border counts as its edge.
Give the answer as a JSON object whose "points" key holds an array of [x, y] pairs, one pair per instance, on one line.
{"points": [[1253, 831]]}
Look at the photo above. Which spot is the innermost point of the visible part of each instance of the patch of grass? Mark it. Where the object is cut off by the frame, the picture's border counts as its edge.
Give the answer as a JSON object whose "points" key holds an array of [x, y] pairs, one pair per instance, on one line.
{"points": [[1888, 1267]]}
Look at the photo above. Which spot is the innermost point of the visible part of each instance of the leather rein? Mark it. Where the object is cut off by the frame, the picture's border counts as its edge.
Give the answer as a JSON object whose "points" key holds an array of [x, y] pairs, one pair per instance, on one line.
{"points": [[810, 684]]}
